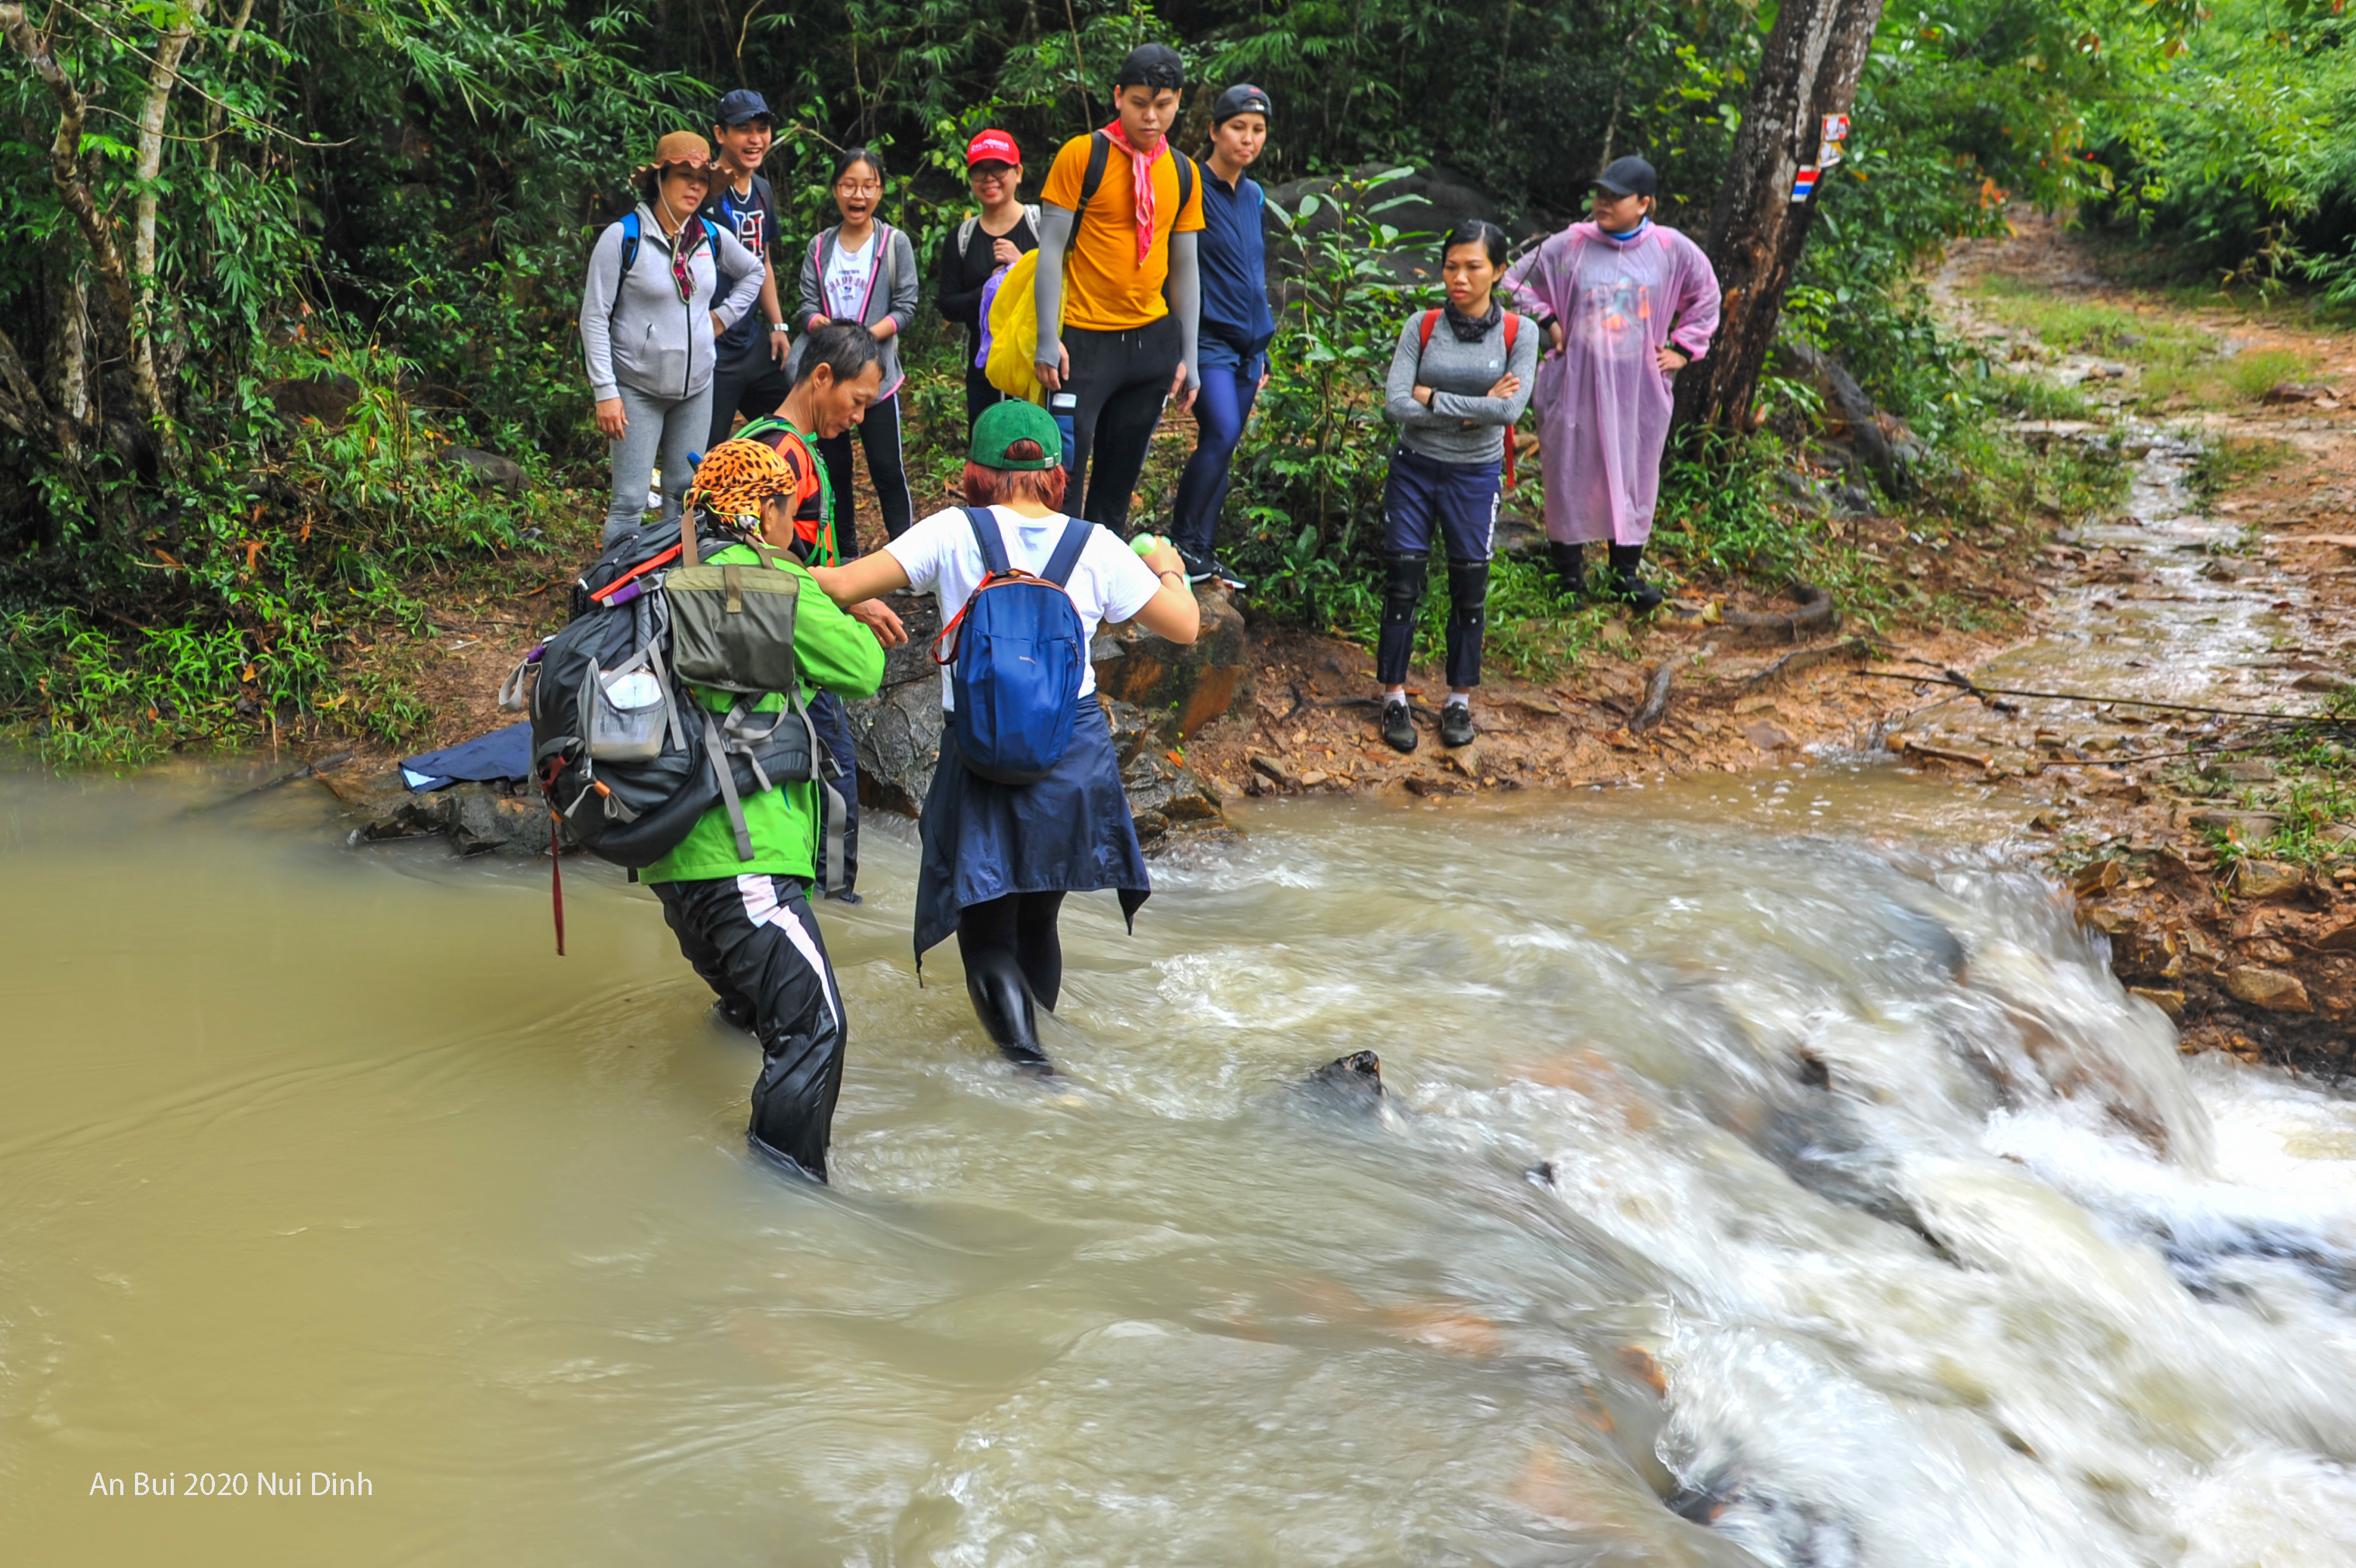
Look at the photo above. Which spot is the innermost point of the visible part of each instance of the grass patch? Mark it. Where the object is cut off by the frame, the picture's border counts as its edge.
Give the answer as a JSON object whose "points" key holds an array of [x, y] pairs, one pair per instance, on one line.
{"points": [[2253, 372], [2226, 461]]}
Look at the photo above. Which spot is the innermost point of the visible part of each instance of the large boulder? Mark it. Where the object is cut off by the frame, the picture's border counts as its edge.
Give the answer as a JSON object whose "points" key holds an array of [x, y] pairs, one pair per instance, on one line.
{"points": [[477, 818], [1431, 200], [1183, 688], [484, 470]]}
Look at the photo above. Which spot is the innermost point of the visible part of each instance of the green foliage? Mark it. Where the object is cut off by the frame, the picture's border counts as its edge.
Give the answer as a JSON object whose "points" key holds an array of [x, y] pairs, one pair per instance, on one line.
{"points": [[413, 185]]}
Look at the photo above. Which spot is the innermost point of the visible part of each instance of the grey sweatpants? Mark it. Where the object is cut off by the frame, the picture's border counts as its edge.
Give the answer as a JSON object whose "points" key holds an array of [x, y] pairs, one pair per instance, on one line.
{"points": [[674, 427]]}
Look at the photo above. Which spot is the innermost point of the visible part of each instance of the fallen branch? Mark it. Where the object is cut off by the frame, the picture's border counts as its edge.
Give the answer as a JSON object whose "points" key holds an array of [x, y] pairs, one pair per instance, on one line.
{"points": [[1656, 696], [1800, 659], [1912, 747], [1816, 612]]}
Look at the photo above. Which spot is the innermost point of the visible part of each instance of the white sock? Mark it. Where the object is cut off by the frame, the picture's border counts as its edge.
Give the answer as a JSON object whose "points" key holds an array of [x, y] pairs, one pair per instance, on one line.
{"points": [[1458, 700], [1398, 697]]}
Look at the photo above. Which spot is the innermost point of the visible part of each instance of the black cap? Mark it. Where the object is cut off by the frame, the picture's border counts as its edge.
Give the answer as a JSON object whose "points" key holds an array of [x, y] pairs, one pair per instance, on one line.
{"points": [[1243, 98], [741, 105], [1629, 176], [1152, 65]]}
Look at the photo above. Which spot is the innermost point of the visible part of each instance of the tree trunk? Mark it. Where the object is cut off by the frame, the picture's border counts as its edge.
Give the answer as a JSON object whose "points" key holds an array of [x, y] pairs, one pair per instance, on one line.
{"points": [[164, 75], [1808, 69], [98, 228]]}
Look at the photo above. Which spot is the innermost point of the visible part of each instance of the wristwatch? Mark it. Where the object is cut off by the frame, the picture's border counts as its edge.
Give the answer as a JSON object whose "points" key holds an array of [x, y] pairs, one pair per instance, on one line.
{"points": [[777, 326]]}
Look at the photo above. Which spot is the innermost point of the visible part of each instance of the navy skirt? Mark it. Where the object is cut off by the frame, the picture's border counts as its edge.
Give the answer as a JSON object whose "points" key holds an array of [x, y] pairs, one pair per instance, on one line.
{"points": [[1068, 833]]}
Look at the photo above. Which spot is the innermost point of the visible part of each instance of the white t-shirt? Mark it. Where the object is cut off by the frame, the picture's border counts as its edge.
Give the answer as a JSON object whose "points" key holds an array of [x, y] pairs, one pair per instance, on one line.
{"points": [[846, 278], [941, 558]]}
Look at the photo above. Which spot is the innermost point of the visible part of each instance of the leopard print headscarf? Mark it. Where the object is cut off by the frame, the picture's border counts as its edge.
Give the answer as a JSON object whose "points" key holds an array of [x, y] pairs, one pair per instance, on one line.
{"points": [[734, 480]]}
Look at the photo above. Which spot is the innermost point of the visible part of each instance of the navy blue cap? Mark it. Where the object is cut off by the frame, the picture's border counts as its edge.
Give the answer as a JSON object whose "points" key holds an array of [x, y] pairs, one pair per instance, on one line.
{"points": [[1243, 98], [1629, 176], [741, 105]]}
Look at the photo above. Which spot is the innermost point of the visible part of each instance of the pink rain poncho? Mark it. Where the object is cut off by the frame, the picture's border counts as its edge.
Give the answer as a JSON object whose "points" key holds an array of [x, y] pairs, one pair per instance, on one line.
{"points": [[1602, 402]]}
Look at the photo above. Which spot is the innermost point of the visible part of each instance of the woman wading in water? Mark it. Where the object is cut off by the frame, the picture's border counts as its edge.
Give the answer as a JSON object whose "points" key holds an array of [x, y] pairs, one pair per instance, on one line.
{"points": [[999, 858], [1460, 378]]}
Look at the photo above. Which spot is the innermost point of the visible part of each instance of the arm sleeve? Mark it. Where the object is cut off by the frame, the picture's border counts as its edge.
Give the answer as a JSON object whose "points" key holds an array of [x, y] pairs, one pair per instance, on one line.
{"points": [[1697, 310], [596, 303], [1129, 584], [733, 261], [811, 302], [958, 303], [1523, 362], [1047, 288], [1398, 391], [1186, 301], [906, 284], [1522, 285], [918, 551], [835, 653]]}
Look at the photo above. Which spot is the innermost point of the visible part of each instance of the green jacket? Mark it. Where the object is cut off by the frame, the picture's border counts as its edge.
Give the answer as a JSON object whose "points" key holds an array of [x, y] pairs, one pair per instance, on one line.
{"points": [[834, 654]]}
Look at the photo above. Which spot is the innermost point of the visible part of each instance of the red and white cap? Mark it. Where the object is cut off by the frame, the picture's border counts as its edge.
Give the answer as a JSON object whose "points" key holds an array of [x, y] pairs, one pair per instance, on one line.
{"points": [[992, 147]]}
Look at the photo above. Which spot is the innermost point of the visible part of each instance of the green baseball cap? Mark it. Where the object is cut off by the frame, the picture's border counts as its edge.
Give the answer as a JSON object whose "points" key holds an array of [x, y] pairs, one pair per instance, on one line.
{"points": [[1002, 425]]}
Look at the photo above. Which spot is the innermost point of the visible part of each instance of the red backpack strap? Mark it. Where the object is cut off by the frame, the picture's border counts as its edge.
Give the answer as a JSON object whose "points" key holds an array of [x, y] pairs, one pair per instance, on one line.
{"points": [[1423, 332]]}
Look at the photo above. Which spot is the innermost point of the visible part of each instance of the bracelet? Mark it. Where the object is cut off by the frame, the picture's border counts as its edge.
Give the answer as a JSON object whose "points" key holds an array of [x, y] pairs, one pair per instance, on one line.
{"points": [[778, 326], [1167, 571]]}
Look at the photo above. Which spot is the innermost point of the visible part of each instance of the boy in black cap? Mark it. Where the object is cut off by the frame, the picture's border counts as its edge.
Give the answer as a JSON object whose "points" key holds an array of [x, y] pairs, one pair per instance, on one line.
{"points": [[1113, 344], [1232, 349], [749, 373]]}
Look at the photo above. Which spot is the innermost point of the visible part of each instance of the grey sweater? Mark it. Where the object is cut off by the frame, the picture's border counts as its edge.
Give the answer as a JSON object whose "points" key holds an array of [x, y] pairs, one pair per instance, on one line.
{"points": [[634, 329], [1463, 423], [892, 292]]}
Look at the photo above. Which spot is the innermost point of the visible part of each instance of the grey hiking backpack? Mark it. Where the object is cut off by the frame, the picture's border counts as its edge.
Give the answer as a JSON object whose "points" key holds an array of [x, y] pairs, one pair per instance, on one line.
{"points": [[626, 760]]}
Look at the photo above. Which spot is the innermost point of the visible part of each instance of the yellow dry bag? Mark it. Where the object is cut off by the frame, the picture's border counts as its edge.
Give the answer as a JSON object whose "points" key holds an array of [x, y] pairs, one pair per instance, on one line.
{"points": [[1014, 333]]}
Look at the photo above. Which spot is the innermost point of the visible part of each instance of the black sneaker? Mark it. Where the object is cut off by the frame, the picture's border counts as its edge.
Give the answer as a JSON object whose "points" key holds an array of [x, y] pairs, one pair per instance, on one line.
{"points": [[1636, 593], [1398, 725], [1222, 572], [1198, 571], [1456, 724]]}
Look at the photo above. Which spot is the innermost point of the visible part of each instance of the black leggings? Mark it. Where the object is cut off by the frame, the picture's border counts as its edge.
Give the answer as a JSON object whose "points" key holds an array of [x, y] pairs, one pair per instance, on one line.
{"points": [[1013, 964], [1019, 928], [879, 436]]}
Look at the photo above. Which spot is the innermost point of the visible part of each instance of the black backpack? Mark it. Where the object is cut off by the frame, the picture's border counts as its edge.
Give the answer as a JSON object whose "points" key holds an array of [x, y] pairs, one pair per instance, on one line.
{"points": [[627, 762]]}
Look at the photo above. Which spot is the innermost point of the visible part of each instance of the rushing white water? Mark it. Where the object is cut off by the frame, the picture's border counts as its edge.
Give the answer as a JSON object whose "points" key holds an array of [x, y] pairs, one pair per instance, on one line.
{"points": [[1747, 1191]]}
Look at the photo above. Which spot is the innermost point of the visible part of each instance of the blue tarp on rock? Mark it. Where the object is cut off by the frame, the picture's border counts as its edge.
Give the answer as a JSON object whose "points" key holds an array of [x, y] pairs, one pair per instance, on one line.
{"points": [[501, 754]]}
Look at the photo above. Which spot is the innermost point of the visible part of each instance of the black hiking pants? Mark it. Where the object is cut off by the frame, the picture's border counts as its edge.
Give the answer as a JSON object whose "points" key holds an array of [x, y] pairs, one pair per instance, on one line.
{"points": [[1118, 382], [756, 944]]}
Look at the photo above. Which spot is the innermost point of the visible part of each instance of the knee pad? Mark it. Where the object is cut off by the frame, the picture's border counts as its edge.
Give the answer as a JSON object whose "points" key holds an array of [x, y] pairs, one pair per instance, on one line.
{"points": [[1403, 580], [1468, 593]]}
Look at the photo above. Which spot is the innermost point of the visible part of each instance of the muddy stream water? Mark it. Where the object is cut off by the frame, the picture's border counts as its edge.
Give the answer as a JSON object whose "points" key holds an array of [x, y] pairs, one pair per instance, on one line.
{"points": [[1770, 1171]]}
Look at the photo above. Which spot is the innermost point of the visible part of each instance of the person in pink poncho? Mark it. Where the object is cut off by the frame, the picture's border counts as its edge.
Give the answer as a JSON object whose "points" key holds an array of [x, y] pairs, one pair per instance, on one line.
{"points": [[1625, 305]]}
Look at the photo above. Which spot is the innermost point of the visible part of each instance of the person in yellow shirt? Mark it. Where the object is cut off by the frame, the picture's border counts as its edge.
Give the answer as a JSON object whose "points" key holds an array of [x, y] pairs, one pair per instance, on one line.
{"points": [[1117, 296]]}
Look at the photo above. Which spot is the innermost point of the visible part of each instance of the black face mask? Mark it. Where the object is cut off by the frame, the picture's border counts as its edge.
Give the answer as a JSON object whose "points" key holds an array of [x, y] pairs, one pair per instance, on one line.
{"points": [[1474, 328]]}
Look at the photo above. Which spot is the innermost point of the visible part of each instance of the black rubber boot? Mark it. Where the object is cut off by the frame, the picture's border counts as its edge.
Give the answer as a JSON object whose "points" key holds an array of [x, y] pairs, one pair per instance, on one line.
{"points": [[1627, 585], [1398, 725], [1002, 1000], [1456, 724], [1569, 563]]}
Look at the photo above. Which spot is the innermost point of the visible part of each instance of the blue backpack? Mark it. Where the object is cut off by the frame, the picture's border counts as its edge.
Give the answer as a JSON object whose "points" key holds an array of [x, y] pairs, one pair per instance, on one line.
{"points": [[1019, 655]]}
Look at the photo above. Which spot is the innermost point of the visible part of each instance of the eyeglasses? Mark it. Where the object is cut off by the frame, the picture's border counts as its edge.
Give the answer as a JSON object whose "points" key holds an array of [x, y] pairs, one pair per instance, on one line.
{"points": [[860, 187]]}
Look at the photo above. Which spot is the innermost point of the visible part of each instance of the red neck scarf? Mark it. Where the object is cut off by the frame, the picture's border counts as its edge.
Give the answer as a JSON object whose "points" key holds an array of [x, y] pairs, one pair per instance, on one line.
{"points": [[1140, 179]]}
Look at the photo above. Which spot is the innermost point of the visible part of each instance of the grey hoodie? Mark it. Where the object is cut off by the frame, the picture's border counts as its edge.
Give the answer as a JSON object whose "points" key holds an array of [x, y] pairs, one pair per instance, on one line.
{"points": [[636, 331], [890, 291]]}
